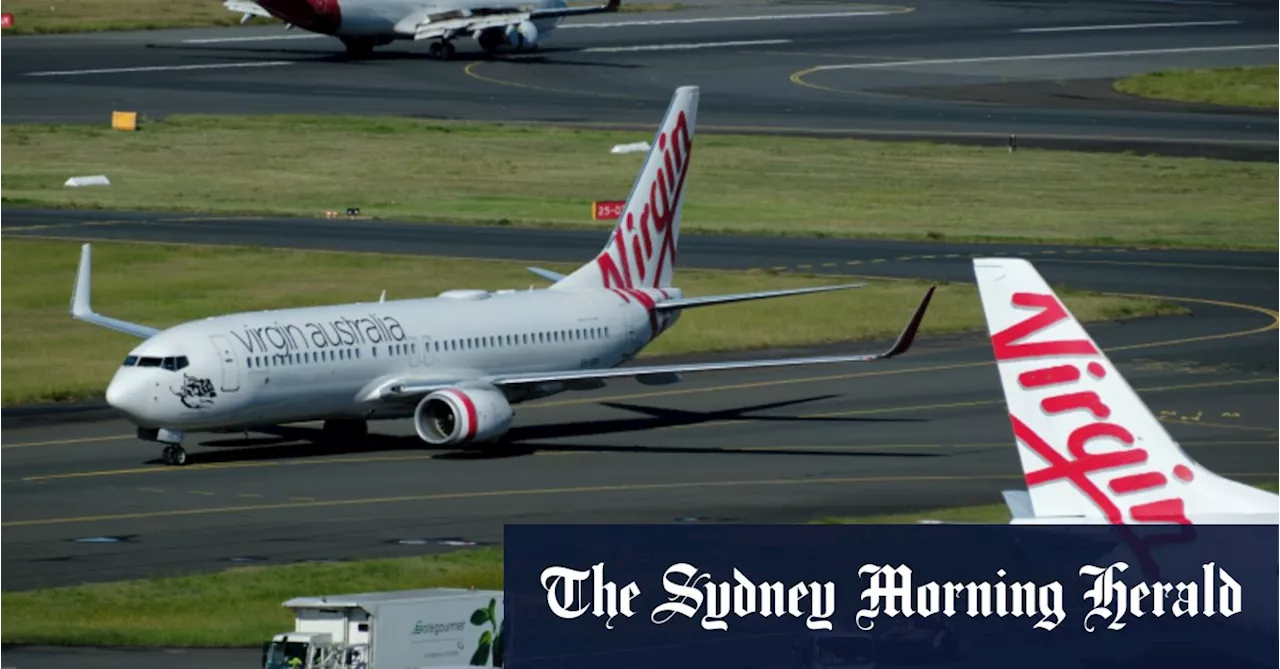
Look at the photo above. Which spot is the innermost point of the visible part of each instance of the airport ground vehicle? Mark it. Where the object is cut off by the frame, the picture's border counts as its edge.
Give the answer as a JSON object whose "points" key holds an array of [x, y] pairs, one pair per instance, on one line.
{"points": [[437, 627]]}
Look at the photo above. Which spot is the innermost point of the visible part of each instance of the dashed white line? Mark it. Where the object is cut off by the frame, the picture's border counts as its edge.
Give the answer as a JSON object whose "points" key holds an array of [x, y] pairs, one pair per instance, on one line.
{"points": [[683, 47], [1043, 56], [725, 19], [1126, 26], [161, 68], [259, 38]]}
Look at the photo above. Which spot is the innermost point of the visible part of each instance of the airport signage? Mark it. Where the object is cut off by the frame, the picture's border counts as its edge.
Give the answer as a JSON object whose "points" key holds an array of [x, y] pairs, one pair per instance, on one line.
{"points": [[6, 21], [607, 210], [698, 596]]}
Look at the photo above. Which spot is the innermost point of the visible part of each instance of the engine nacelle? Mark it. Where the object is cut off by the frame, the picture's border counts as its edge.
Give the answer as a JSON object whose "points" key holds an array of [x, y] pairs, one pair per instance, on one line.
{"points": [[523, 35], [456, 415]]}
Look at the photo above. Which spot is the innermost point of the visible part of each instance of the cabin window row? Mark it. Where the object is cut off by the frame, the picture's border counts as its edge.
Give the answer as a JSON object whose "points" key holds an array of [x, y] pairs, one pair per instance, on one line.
{"points": [[468, 343], [306, 357], [525, 339]]}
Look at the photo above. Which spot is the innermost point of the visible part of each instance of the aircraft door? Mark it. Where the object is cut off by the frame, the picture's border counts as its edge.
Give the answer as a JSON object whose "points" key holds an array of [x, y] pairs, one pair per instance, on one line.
{"points": [[421, 354], [230, 370]]}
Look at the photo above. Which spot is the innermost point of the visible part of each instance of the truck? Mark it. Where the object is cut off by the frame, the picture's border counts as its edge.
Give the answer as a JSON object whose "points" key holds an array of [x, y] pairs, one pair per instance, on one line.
{"points": [[408, 629]]}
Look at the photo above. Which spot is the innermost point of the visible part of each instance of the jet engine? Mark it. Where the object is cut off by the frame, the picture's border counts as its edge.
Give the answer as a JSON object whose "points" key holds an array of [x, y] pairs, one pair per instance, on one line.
{"points": [[456, 415], [490, 39], [523, 36]]}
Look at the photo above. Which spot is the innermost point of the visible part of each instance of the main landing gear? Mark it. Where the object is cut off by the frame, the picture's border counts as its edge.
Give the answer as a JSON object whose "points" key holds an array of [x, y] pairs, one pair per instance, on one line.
{"points": [[174, 456], [441, 50]]}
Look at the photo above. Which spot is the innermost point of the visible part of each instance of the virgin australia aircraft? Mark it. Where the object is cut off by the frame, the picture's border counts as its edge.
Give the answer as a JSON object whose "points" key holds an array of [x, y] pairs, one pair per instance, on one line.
{"points": [[1091, 450], [455, 363], [363, 25]]}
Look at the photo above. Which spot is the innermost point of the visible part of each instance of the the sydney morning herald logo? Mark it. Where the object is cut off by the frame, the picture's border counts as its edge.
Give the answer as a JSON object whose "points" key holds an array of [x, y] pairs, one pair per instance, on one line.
{"points": [[891, 591]]}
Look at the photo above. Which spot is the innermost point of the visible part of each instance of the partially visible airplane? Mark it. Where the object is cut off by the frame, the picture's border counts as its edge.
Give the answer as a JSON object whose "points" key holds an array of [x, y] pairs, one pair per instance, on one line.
{"points": [[455, 363], [363, 25], [1091, 451]]}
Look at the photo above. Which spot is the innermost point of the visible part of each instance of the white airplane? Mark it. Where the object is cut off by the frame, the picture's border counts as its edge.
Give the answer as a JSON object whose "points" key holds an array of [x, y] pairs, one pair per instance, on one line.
{"points": [[1091, 451], [455, 363], [363, 25]]}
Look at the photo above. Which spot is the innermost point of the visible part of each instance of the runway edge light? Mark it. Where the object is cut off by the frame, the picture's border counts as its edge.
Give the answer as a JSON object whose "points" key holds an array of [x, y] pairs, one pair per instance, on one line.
{"points": [[127, 121]]}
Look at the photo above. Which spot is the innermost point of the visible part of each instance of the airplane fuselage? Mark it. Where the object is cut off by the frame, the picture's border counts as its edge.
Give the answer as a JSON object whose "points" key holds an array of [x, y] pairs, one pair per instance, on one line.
{"points": [[269, 367], [385, 20]]}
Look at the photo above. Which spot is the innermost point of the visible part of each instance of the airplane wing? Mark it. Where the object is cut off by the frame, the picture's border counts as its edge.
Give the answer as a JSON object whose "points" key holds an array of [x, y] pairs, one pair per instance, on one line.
{"points": [[81, 310], [409, 389], [450, 24]]}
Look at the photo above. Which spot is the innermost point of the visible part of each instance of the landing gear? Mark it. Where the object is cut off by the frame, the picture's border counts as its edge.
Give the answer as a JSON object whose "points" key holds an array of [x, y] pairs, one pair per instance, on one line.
{"points": [[346, 432], [174, 456], [173, 453], [441, 50]]}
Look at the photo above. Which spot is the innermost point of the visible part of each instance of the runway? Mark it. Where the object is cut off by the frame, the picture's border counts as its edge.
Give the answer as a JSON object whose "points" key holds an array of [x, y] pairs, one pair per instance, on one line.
{"points": [[970, 71]]}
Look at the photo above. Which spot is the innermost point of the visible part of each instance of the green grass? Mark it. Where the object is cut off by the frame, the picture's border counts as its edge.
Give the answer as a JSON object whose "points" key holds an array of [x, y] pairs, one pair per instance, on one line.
{"points": [[1236, 86], [533, 175], [49, 357], [242, 607], [35, 17], [237, 607]]}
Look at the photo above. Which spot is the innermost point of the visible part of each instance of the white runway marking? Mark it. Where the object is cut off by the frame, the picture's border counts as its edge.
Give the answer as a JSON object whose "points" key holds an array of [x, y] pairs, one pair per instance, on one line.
{"points": [[1044, 56], [161, 68], [683, 47], [725, 19], [1126, 26], [260, 38]]}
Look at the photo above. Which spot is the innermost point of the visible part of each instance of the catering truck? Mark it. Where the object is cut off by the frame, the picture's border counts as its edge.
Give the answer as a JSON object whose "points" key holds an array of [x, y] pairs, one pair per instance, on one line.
{"points": [[410, 629]]}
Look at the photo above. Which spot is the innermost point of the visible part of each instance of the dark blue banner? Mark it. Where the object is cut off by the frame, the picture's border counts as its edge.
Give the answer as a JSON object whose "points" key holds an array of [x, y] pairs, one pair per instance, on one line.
{"points": [[793, 597]]}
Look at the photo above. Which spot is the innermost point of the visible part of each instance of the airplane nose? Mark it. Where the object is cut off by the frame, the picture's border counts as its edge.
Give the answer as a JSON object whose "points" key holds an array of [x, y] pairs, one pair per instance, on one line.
{"points": [[123, 394]]}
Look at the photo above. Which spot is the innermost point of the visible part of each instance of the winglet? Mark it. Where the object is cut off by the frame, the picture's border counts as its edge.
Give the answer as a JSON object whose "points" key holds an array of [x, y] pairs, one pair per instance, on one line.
{"points": [[546, 274], [82, 309], [909, 333]]}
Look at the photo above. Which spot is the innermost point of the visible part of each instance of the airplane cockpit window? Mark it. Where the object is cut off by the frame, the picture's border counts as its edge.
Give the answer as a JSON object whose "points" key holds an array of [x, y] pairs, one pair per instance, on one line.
{"points": [[130, 361], [148, 362], [175, 363]]}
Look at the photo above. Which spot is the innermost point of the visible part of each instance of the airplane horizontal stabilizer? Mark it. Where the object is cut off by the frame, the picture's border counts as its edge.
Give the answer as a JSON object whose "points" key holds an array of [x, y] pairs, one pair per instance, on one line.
{"points": [[247, 7], [1019, 503], [900, 346], [546, 273], [687, 302], [82, 310]]}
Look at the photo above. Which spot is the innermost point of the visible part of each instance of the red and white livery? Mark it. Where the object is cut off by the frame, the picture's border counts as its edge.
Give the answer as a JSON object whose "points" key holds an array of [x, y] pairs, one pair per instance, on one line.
{"points": [[455, 363], [1091, 450]]}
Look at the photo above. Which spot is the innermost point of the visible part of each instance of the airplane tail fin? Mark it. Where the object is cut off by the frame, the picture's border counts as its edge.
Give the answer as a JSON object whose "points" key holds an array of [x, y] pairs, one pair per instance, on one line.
{"points": [[641, 252], [1090, 449]]}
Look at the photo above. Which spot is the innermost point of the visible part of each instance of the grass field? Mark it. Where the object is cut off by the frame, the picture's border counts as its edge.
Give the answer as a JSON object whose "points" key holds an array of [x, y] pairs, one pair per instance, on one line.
{"points": [[1237, 86], [34, 17], [47, 356], [529, 175]]}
